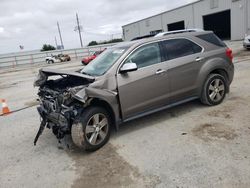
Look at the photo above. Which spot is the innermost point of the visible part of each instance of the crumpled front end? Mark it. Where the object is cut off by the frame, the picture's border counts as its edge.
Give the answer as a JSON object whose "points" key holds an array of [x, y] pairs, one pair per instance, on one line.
{"points": [[58, 110], [58, 105]]}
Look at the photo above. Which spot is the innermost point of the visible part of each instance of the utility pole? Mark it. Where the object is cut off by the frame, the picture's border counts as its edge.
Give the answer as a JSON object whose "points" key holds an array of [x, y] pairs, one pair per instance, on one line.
{"points": [[56, 42], [79, 29], [246, 14], [59, 31]]}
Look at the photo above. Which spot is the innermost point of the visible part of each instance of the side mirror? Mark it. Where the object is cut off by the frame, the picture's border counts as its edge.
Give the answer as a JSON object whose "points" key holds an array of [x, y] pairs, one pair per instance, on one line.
{"points": [[128, 67]]}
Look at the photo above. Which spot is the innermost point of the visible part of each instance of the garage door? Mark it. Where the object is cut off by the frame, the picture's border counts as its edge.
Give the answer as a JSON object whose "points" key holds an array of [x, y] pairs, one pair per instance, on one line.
{"points": [[176, 26], [220, 23]]}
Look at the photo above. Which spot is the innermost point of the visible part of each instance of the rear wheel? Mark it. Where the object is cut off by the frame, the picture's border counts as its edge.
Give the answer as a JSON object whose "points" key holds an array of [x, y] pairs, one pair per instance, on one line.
{"points": [[92, 130], [214, 90], [84, 63]]}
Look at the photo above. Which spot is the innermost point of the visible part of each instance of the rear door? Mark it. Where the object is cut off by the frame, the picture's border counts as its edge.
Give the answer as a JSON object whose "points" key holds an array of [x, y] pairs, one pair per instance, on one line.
{"points": [[146, 88], [184, 59]]}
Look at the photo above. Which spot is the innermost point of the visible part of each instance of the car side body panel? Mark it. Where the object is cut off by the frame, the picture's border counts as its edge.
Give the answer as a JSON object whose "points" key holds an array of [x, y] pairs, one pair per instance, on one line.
{"points": [[183, 73], [214, 61], [152, 87]]}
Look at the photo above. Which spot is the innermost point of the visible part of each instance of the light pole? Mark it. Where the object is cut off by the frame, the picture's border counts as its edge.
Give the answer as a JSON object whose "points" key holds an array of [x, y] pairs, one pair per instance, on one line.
{"points": [[59, 31], [56, 42], [79, 29]]}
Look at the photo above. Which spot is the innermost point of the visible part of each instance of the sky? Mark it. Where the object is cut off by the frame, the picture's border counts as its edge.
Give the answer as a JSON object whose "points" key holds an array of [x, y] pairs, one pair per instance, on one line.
{"points": [[32, 23]]}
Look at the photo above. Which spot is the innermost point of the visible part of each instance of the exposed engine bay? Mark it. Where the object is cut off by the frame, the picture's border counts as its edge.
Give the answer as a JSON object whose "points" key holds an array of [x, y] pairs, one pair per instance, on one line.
{"points": [[58, 104]]}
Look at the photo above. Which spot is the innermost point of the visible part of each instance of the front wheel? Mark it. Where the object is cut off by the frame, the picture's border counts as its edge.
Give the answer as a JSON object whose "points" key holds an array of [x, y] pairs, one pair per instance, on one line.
{"points": [[214, 90], [92, 130]]}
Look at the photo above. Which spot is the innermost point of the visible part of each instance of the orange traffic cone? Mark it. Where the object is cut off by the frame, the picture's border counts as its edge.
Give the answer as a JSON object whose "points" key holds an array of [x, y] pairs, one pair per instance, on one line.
{"points": [[5, 109]]}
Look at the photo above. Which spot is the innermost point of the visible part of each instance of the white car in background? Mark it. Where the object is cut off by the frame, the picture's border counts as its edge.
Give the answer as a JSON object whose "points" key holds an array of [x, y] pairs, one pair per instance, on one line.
{"points": [[52, 59], [246, 42]]}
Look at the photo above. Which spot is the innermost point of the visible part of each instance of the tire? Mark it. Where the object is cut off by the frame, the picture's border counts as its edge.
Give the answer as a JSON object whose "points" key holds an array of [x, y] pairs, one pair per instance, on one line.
{"points": [[84, 63], [50, 61], [89, 132], [214, 90]]}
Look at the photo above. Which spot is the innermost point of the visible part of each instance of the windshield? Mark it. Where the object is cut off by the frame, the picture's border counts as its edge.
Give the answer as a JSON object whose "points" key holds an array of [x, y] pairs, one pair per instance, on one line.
{"points": [[104, 61]]}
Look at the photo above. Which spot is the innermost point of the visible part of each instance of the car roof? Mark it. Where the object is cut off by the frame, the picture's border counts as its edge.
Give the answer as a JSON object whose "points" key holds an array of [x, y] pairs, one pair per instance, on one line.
{"points": [[152, 39]]}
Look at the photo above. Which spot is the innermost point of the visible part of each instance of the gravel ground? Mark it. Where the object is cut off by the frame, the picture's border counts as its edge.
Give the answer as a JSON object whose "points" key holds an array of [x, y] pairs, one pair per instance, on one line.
{"points": [[187, 146]]}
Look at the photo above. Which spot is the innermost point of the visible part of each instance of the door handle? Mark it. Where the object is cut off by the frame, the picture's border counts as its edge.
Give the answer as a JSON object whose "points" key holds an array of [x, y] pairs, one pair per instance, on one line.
{"points": [[160, 71], [198, 59]]}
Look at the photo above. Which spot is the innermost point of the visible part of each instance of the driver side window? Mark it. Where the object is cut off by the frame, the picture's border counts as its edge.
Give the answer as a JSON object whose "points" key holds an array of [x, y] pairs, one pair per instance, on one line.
{"points": [[145, 56]]}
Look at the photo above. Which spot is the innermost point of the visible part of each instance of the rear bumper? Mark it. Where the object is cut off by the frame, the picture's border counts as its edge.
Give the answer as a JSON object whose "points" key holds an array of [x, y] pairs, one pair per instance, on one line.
{"points": [[230, 73], [246, 45], [84, 62]]}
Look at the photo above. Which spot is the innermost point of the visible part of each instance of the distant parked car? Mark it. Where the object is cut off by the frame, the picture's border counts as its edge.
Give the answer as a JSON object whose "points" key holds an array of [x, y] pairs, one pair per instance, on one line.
{"points": [[64, 57], [246, 42], [57, 58], [53, 59], [86, 60]]}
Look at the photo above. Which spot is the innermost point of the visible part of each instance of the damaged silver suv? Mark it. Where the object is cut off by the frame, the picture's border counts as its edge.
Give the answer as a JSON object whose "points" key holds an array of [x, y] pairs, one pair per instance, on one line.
{"points": [[131, 80]]}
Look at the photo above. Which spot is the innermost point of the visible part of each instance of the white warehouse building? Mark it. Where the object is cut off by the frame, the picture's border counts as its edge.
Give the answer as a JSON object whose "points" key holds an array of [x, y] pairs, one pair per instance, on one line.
{"points": [[229, 19]]}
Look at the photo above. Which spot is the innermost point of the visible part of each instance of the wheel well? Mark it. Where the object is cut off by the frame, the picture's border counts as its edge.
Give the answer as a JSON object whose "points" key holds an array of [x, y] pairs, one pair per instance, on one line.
{"points": [[105, 105], [221, 72]]}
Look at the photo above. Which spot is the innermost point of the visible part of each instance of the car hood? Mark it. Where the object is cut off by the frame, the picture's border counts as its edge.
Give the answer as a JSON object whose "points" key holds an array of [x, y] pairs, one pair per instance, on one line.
{"points": [[45, 73]]}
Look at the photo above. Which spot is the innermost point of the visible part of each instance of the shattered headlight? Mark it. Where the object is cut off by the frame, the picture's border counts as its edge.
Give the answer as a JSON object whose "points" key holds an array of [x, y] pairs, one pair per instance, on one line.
{"points": [[81, 95], [75, 90]]}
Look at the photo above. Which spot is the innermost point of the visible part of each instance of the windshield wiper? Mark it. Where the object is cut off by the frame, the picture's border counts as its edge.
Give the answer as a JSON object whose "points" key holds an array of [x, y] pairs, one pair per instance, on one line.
{"points": [[86, 73]]}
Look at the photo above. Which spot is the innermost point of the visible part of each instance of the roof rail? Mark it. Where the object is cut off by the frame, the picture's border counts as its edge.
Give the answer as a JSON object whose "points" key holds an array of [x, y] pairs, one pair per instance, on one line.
{"points": [[177, 32], [143, 37]]}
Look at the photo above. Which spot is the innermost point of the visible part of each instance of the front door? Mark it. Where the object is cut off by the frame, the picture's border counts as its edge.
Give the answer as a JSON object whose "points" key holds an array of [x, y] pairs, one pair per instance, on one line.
{"points": [[146, 88]]}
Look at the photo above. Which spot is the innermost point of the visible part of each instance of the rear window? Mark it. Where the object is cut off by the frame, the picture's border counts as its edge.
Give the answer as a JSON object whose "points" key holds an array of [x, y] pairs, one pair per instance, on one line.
{"points": [[212, 38], [175, 48]]}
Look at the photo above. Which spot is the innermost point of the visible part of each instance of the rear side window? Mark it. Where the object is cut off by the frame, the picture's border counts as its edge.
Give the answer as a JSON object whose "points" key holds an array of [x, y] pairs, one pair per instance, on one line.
{"points": [[176, 48], [212, 38]]}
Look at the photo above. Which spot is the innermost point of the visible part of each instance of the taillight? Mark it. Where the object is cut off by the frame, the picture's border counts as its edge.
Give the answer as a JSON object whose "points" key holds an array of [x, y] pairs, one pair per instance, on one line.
{"points": [[229, 54]]}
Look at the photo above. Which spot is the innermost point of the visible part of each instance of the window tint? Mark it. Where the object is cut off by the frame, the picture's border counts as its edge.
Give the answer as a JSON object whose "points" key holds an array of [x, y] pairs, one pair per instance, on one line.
{"points": [[146, 55], [212, 38], [176, 48]]}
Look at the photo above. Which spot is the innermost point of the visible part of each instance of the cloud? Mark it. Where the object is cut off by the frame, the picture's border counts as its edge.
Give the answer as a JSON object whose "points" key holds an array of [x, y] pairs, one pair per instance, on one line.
{"points": [[1, 29], [32, 23]]}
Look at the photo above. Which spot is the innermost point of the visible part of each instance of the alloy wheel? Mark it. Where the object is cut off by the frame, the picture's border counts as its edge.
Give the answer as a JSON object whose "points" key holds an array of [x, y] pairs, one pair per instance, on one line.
{"points": [[216, 90], [96, 129]]}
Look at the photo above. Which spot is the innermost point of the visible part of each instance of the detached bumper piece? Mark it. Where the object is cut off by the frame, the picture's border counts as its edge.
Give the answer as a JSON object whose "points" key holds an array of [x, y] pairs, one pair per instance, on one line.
{"points": [[60, 123], [42, 125], [40, 131]]}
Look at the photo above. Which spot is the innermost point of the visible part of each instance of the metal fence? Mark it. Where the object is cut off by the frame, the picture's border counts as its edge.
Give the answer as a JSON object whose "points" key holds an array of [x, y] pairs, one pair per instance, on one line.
{"points": [[16, 59]]}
